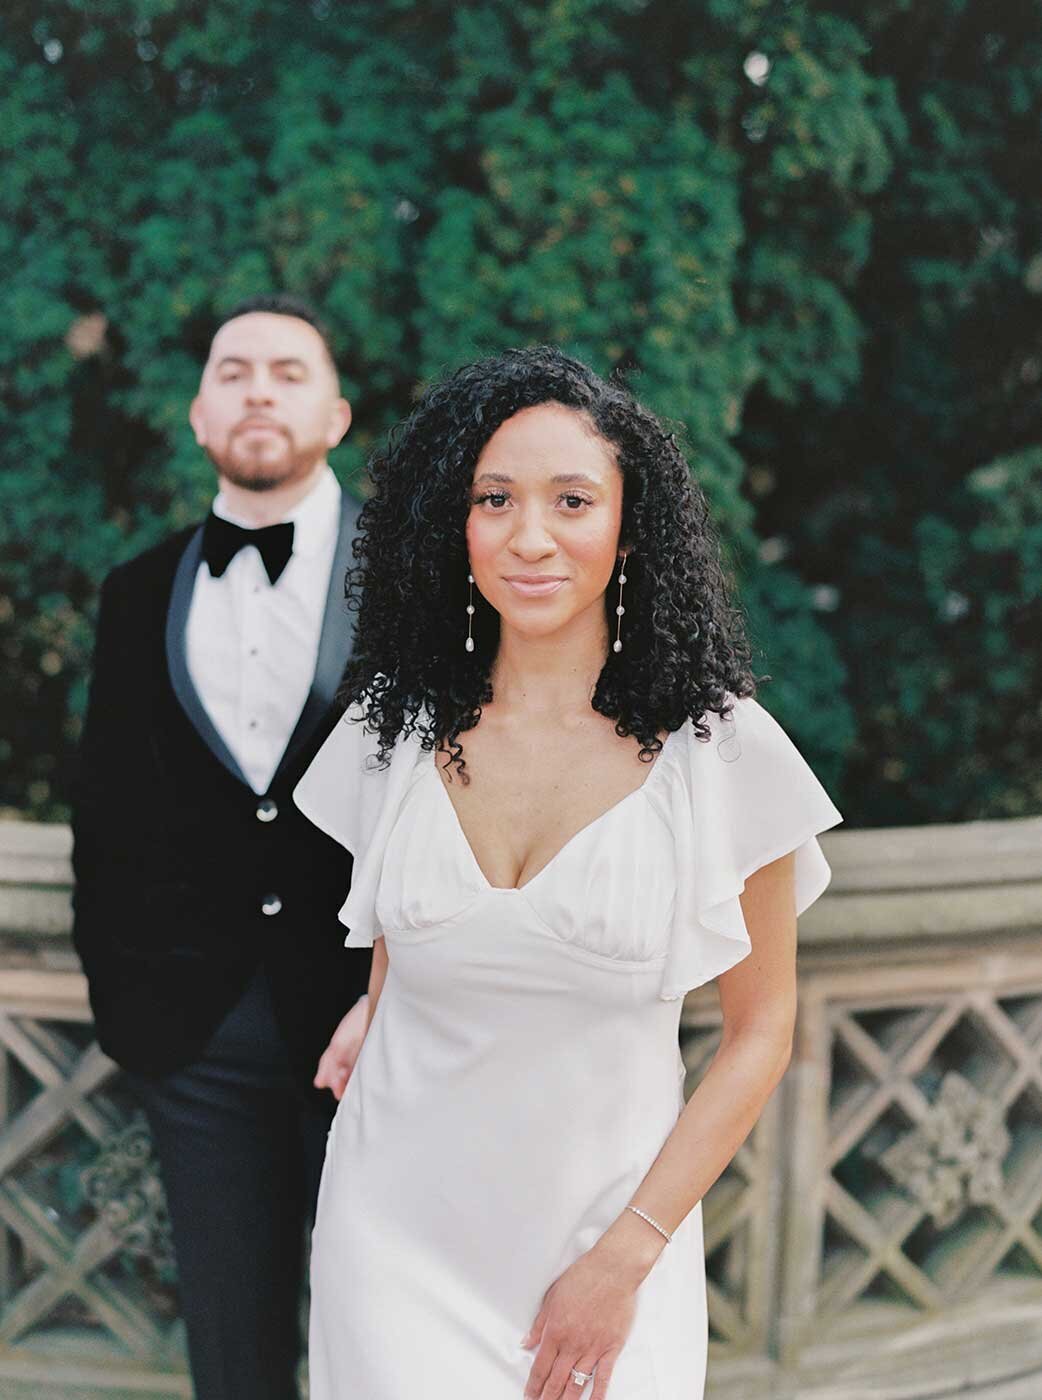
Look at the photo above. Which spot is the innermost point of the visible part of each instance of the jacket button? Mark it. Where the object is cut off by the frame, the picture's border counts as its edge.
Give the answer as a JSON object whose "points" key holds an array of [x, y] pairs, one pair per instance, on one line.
{"points": [[267, 810], [271, 904]]}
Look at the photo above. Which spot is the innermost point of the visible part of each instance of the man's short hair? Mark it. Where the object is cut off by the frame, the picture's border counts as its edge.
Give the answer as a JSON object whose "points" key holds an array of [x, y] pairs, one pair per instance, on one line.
{"points": [[280, 304]]}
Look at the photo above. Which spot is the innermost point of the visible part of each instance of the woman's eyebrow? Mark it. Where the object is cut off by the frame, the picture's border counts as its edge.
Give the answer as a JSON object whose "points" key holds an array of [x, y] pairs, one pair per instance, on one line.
{"points": [[560, 479]]}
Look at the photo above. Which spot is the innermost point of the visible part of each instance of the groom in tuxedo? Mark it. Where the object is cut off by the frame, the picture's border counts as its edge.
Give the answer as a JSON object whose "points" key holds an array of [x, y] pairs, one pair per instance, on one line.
{"points": [[205, 904]]}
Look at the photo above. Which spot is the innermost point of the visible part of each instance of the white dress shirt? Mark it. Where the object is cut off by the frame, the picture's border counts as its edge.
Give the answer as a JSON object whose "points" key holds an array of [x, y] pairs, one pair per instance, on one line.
{"points": [[252, 645]]}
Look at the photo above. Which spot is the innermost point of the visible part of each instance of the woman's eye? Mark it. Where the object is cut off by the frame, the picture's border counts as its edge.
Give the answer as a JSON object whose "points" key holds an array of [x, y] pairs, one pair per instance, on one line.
{"points": [[575, 502], [495, 499]]}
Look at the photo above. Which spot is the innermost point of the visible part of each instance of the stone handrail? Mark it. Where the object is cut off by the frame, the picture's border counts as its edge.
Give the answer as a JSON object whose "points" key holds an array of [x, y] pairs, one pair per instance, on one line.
{"points": [[869, 869]]}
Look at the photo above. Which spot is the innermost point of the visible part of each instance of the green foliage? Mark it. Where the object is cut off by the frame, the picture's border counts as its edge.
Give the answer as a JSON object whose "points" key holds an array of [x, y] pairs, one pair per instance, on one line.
{"points": [[811, 238], [986, 584]]}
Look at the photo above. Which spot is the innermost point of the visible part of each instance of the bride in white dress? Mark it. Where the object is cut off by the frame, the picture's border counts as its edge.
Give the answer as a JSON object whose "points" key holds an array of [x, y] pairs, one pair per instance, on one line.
{"points": [[566, 809]]}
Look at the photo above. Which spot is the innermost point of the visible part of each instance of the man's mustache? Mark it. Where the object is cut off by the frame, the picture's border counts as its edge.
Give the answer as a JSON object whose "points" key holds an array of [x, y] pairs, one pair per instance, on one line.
{"points": [[247, 423]]}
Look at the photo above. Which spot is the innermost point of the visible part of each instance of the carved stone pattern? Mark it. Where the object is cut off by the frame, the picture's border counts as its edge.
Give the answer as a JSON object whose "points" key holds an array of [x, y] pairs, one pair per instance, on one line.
{"points": [[79, 1205], [123, 1186], [929, 1196], [953, 1157]]}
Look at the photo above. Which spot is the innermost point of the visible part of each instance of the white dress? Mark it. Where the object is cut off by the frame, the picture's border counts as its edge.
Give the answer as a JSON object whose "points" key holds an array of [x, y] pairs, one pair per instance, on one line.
{"points": [[522, 1070]]}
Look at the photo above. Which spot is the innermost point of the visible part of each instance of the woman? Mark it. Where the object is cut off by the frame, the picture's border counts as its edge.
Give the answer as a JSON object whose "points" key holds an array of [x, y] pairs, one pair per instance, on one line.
{"points": [[565, 810]]}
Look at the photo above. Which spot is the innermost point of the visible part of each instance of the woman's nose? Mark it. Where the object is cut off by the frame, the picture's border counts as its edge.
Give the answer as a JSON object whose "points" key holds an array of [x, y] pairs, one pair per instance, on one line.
{"points": [[531, 538]]}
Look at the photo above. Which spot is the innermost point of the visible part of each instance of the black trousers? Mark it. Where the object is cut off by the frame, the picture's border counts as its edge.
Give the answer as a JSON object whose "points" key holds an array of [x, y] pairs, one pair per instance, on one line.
{"points": [[240, 1151]]}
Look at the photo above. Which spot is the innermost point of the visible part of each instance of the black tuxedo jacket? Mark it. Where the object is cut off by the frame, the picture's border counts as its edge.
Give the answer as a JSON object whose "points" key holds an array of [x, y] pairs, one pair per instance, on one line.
{"points": [[187, 881]]}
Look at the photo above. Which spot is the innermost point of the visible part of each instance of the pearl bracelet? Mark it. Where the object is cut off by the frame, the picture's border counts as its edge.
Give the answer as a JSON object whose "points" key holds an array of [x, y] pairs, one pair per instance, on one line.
{"points": [[652, 1222]]}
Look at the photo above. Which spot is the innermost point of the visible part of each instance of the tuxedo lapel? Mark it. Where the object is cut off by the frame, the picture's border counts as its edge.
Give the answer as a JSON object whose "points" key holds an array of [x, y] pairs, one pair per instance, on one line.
{"points": [[338, 629], [177, 656]]}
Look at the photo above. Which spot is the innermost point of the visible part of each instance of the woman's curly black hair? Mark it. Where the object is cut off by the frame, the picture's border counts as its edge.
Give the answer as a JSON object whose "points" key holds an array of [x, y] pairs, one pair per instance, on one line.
{"points": [[685, 649]]}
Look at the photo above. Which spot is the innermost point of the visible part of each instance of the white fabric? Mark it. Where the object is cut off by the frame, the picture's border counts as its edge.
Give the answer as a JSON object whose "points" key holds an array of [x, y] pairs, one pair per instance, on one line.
{"points": [[522, 1070], [251, 645]]}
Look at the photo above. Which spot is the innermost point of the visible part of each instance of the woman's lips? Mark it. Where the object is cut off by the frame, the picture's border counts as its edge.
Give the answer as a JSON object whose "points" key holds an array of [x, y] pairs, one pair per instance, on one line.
{"points": [[534, 587]]}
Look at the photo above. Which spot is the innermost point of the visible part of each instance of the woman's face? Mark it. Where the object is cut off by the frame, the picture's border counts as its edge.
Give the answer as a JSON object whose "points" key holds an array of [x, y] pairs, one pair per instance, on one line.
{"points": [[544, 522]]}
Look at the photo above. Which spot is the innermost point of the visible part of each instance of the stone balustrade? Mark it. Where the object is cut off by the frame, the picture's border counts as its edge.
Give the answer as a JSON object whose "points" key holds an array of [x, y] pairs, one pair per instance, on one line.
{"points": [[879, 1236]]}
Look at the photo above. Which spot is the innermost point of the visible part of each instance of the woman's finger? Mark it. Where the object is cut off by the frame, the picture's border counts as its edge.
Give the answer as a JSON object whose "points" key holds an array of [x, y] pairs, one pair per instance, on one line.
{"points": [[602, 1375], [322, 1074], [332, 1074], [559, 1383], [535, 1332], [587, 1366], [541, 1368]]}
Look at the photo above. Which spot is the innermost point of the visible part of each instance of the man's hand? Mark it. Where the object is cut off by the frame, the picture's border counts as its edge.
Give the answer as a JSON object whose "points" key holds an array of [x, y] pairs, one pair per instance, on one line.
{"points": [[338, 1058]]}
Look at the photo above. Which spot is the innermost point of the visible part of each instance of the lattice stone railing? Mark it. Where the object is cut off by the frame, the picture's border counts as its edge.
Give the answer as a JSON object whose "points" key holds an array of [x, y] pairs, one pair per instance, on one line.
{"points": [[879, 1237], [88, 1304]]}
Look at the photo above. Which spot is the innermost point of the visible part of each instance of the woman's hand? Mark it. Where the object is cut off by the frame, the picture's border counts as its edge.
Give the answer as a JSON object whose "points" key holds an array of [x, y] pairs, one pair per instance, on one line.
{"points": [[338, 1058], [587, 1315]]}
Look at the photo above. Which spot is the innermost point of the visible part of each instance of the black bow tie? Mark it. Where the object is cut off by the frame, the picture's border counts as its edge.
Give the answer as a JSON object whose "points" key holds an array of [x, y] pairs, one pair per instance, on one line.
{"points": [[222, 541]]}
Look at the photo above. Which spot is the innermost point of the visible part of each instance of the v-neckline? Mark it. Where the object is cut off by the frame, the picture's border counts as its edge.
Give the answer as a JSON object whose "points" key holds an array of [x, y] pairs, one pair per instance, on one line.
{"points": [[594, 821]]}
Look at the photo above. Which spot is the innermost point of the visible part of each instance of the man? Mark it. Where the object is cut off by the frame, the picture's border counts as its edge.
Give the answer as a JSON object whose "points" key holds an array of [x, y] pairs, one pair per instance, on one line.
{"points": [[206, 905]]}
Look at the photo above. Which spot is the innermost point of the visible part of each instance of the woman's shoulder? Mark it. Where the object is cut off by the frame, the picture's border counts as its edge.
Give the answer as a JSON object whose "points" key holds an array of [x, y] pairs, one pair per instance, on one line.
{"points": [[744, 796], [745, 755], [725, 736], [347, 783], [744, 718], [744, 759]]}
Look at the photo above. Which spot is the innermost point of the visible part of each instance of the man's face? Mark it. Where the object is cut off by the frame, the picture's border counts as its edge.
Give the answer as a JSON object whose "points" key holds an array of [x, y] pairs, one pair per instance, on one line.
{"points": [[269, 406]]}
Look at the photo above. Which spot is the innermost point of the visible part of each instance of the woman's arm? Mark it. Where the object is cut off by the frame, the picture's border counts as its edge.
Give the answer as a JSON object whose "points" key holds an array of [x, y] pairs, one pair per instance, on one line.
{"points": [[587, 1314], [339, 1056], [758, 1002]]}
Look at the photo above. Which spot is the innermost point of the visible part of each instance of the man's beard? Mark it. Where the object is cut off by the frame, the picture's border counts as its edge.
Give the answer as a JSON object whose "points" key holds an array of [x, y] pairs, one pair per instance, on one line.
{"points": [[263, 470]]}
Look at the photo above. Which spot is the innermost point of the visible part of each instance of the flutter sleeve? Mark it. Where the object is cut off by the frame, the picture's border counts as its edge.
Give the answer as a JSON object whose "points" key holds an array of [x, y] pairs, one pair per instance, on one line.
{"points": [[351, 798], [746, 796]]}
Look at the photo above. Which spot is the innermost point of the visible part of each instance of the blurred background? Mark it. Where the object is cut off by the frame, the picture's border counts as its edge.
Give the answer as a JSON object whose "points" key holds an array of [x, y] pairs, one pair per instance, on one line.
{"points": [[810, 235]]}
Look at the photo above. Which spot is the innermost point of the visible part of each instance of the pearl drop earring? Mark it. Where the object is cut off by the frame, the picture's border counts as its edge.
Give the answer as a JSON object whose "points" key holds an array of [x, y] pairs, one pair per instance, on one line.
{"points": [[470, 614], [619, 609]]}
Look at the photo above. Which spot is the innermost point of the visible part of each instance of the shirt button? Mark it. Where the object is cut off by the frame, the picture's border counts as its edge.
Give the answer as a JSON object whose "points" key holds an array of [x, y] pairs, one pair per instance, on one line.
{"points": [[271, 904], [267, 810]]}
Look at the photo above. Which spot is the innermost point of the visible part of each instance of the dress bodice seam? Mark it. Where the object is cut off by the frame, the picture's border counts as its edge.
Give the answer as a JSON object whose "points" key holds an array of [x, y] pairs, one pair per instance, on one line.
{"points": [[432, 932]]}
